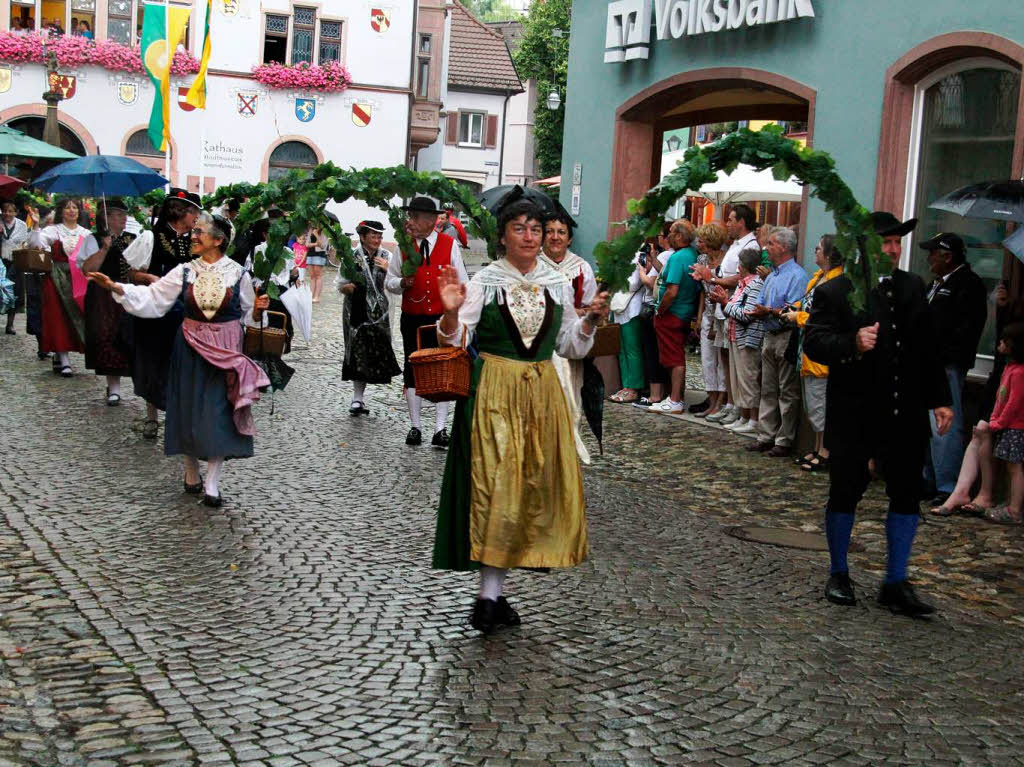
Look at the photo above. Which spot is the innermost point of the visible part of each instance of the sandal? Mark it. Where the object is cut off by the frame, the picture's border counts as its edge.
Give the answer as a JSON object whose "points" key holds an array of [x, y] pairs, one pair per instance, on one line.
{"points": [[149, 429], [946, 511], [818, 463], [806, 459], [624, 399], [973, 509], [1002, 516]]}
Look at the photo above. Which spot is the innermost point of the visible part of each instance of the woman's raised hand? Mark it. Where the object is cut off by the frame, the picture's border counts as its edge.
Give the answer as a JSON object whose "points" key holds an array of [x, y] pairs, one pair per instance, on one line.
{"points": [[452, 290], [105, 282]]}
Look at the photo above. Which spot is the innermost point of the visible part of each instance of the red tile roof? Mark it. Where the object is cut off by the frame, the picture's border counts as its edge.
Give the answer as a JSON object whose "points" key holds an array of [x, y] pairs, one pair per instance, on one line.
{"points": [[478, 56]]}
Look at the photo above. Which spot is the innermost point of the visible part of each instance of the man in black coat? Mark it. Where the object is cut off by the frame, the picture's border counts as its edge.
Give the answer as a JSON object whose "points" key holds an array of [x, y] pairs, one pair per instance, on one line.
{"points": [[885, 375], [958, 303]]}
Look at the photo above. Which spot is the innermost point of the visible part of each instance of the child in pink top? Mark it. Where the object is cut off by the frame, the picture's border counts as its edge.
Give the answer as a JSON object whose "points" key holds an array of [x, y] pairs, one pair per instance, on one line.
{"points": [[1002, 438]]}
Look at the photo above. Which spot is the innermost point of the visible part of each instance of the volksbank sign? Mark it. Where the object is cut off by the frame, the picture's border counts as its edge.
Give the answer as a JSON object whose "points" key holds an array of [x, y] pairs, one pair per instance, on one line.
{"points": [[628, 35]]}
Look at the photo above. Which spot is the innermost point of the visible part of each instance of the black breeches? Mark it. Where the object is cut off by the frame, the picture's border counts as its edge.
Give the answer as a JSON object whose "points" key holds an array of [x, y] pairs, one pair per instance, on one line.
{"points": [[902, 465]]}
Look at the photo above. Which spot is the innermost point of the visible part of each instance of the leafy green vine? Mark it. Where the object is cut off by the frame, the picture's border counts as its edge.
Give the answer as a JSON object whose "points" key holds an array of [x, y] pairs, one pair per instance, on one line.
{"points": [[764, 149]]}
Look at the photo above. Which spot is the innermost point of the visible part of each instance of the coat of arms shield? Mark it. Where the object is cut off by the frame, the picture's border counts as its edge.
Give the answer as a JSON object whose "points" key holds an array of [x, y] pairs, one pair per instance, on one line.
{"points": [[127, 93], [248, 103], [305, 109], [380, 19], [6, 77], [362, 112]]}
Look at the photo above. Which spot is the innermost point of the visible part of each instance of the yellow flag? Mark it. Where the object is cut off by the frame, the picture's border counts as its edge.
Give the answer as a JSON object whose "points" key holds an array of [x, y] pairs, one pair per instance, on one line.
{"points": [[196, 95]]}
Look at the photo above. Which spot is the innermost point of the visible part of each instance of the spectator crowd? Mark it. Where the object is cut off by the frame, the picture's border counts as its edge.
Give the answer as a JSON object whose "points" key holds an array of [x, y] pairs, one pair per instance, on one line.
{"points": [[737, 295]]}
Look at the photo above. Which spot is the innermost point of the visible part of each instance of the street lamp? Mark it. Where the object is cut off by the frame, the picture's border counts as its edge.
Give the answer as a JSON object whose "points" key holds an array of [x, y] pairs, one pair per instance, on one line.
{"points": [[554, 100]]}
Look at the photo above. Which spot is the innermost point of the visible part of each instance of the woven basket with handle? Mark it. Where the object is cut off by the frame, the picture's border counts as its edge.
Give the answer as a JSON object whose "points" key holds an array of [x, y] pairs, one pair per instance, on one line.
{"points": [[607, 340], [33, 260], [267, 342], [441, 374]]}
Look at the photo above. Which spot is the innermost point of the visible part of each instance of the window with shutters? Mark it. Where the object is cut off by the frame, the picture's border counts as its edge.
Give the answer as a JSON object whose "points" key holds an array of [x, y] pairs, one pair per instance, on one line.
{"points": [[303, 33], [275, 39], [471, 129], [330, 41]]}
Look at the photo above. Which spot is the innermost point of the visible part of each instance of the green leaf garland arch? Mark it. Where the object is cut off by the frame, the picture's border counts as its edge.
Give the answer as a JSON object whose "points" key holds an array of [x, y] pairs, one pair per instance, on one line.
{"points": [[303, 197], [764, 149]]}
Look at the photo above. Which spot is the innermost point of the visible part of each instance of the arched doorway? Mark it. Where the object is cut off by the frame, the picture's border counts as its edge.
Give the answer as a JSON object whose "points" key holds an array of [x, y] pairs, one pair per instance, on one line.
{"points": [[691, 99]]}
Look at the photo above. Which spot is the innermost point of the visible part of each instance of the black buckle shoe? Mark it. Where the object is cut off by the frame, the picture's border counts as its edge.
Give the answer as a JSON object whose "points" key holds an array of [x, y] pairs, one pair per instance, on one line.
{"points": [[441, 439], [195, 489], [414, 437], [700, 407], [506, 615], [901, 599], [214, 502], [839, 590]]}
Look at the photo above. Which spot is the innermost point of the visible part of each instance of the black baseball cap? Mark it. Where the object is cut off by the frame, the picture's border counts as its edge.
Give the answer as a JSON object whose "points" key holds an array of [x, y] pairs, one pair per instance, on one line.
{"points": [[946, 241]]}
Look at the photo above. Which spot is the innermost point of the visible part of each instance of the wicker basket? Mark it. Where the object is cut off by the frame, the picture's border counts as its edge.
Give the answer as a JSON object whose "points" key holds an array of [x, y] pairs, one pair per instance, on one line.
{"points": [[266, 342], [607, 340], [441, 374], [33, 260]]}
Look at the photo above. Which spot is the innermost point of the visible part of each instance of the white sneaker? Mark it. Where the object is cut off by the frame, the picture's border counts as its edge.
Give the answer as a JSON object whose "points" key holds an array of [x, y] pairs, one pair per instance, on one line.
{"points": [[734, 415], [668, 407], [750, 427], [738, 424], [716, 417]]}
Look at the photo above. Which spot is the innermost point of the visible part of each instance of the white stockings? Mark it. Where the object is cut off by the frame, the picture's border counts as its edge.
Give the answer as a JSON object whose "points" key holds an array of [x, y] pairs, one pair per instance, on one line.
{"points": [[213, 469], [492, 581]]}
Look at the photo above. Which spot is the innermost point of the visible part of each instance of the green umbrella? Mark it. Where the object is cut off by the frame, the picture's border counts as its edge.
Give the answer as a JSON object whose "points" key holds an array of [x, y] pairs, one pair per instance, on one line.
{"points": [[17, 143]]}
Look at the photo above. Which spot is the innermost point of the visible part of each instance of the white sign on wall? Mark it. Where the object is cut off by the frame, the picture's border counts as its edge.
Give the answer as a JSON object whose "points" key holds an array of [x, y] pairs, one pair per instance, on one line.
{"points": [[628, 32]]}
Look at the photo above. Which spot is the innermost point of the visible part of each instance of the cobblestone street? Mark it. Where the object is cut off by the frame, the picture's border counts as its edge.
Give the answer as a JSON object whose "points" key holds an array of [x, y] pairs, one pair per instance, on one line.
{"points": [[301, 623]]}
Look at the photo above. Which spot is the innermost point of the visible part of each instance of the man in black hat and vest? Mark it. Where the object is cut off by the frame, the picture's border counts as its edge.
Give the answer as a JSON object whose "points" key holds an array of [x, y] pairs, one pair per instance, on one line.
{"points": [[421, 302], [152, 255], [885, 376]]}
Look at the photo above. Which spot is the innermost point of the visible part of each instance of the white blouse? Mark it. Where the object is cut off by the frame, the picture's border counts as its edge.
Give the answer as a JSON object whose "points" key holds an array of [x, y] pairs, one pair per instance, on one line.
{"points": [[44, 238], [152, 301], [524, 305]]}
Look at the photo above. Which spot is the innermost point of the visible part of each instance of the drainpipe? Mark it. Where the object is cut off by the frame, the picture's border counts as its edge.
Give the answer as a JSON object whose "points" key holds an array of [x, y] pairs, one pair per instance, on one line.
{"points": [[501, 152], [414, 48]]}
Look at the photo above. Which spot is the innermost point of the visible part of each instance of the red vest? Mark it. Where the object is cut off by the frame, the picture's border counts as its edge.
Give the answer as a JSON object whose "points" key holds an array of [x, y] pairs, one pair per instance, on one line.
{"points": [[424, 297]]}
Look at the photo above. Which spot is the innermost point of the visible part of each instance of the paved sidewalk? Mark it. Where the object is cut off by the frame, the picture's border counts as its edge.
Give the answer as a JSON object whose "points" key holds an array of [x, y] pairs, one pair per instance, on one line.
{"points": [[301, 624]]}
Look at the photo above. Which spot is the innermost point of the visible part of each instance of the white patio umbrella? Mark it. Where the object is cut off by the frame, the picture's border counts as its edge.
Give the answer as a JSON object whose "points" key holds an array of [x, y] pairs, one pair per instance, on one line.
{"points": [[745, 184]]}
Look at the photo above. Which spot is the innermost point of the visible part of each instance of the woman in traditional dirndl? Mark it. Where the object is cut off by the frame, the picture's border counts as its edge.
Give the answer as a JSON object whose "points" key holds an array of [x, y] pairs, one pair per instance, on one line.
{"points": [[369, 357], [106, 354], [63, 289], [212, 384], [512, 494]]}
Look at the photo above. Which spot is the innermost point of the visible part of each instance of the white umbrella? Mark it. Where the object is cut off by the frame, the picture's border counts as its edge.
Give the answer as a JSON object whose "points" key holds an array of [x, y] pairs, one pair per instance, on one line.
{"points": [[745, 184]]}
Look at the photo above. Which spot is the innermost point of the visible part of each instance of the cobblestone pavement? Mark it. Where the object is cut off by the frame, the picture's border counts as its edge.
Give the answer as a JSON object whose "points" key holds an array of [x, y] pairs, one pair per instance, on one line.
{"points": [[301, 624]]}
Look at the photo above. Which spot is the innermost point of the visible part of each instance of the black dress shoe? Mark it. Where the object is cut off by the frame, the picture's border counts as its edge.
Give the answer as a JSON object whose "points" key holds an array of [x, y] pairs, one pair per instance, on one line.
{"points": [[901, 599], [214, 502], [700, 407], [485, 616], [195, 489], [441, 439], [10, 332], [839, 590], [506, 615], [759, 447], [414, 437]]}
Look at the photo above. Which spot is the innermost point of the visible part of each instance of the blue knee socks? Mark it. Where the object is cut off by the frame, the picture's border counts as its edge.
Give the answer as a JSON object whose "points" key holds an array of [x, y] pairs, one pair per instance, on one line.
{"points": [[838, 527], [899, 530]]}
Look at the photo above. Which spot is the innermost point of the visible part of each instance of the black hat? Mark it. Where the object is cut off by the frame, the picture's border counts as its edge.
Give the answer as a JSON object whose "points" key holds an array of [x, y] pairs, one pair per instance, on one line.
{"points": [[370, 226], [887, 225], [185, 196], [115, 203], [421, 205], [954, 243]]}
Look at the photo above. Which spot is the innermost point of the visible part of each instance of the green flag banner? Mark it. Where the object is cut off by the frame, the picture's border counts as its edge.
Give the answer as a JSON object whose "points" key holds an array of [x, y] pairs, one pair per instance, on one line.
{"points": [[163, 27]]}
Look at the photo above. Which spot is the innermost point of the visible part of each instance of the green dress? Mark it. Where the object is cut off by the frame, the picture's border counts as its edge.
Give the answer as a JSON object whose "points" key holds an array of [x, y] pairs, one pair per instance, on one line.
{"points": [[512, 494]]}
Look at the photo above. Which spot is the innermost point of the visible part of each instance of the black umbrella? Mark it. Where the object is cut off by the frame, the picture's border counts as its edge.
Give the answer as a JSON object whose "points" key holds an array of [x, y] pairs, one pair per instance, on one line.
{"points": [[498, 197], [999, 200], [592, 400]]}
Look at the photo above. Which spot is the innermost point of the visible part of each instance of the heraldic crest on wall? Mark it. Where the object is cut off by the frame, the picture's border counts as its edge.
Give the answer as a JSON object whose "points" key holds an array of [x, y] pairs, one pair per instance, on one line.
{"points": [[305, 109], [380, 19]]}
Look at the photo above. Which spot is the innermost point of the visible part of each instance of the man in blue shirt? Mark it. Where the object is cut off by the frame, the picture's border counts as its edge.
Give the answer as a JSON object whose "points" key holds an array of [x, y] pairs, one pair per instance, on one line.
{"points": [[779, 414]]}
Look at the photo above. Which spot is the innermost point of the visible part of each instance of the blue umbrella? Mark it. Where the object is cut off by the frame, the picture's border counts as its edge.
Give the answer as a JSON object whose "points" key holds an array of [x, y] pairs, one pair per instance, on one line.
{"points": [[99, 175]]}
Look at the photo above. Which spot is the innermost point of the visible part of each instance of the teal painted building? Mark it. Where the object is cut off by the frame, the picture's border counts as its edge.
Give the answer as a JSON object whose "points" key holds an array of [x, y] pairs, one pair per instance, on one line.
{"points": [[913, 99]]}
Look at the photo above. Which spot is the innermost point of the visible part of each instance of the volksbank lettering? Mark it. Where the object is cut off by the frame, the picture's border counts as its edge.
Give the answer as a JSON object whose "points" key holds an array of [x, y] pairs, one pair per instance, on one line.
{"points": [[628, 33]]}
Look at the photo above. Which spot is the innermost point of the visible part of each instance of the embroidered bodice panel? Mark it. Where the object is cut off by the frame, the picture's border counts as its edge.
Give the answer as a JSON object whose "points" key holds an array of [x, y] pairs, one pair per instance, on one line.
{"points": [[211, 291], [526, 304]]}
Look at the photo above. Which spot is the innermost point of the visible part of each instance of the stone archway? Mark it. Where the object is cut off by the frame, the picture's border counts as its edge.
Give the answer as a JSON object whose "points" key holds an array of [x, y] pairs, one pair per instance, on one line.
{"points": [[694, 98]]}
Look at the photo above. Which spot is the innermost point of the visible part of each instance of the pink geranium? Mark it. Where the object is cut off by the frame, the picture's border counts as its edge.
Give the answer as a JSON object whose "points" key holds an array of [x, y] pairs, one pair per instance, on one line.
{"points": [[74, 52], [331, 77]]}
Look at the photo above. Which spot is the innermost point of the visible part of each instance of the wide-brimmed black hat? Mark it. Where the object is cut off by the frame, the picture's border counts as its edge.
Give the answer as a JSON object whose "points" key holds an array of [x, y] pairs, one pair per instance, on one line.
{"points": [[185, 196], [115, 203], [369, 226], [422, 205], [887, 225], [954, 243]]}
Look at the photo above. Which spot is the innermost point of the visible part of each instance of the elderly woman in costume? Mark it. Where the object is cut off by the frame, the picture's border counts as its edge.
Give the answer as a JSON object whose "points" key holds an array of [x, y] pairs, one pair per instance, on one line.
{"points": [[153, 255], [558, 230], [211, 384], [103, 354], [512, 494], [366, 361], [63, 289]]}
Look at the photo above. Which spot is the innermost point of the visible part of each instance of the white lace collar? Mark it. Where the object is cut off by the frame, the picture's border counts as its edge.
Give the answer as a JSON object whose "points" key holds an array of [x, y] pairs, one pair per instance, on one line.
{"points": [[502, 275], [224, 267], [69, 237], [571, 266]]}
